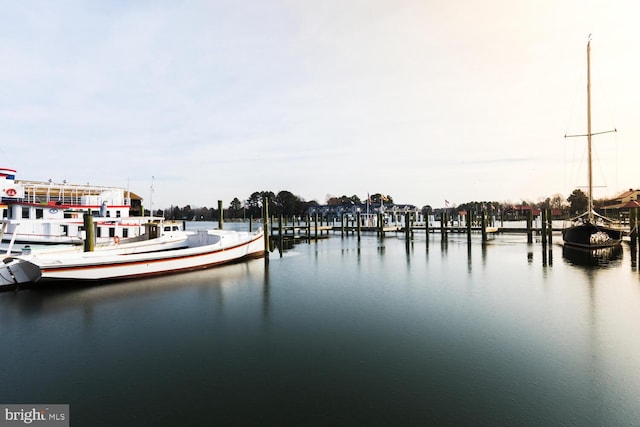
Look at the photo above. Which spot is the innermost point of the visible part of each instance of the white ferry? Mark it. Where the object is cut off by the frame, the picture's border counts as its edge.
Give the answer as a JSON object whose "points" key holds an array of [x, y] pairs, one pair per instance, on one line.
{"points": [[46, 213]]}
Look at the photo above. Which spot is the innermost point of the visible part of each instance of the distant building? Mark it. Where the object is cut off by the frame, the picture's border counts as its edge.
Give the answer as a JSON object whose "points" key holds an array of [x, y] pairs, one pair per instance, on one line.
{"points": [[625, 200], [393, 212]]}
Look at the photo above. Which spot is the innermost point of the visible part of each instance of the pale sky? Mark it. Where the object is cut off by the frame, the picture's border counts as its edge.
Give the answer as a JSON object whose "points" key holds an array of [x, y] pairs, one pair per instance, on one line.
{"points": [[423, 100]]}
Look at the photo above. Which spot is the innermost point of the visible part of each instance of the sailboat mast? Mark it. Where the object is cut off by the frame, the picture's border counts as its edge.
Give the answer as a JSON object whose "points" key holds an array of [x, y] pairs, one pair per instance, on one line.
{"points": [[590, 211]]}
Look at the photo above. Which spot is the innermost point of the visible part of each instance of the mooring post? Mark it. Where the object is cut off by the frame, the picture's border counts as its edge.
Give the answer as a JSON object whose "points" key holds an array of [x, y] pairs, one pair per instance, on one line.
{"points": [[426, 229], [633, 227], [280, 234], [484, 226], [468, 224], [544, 226], [90, 232], [220, 215], [550, 226], [412, 223], [358, 223], [308, 219], [250, 223], [265, 226], [530, 226], [342, 225], [445, 223], [407, 229], [315, 225]]}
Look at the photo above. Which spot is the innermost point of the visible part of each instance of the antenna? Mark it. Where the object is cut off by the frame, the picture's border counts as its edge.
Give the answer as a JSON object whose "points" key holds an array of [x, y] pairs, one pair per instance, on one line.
{"points": [[151, 197]]}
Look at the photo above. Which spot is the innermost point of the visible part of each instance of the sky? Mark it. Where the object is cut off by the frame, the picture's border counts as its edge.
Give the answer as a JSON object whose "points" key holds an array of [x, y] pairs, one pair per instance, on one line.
{"points": [[423, 100]]}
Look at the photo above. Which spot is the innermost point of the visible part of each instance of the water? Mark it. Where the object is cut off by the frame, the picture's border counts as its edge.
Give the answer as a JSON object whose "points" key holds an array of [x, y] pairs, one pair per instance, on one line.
{"points": [[340, 332]]}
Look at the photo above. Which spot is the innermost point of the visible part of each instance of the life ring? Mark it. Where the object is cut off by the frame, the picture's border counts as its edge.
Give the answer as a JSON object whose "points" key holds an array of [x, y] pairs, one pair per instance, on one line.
{"points": [[116, 240], [11, 192]]}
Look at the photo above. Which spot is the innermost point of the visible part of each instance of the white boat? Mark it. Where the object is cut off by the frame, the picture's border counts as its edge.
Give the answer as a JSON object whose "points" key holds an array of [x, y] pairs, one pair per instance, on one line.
{"points": [[203, 249], [39, 213], [591, 231], [16, 271]]}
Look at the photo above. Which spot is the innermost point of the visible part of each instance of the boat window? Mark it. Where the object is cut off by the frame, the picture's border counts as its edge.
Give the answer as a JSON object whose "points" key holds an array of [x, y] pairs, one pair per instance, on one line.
{"points": [[39, 213], [98, 231], [125, 233], [167, 228], [112, 232], [109, 215], [65, 230], [117, 214], [25, 212]]}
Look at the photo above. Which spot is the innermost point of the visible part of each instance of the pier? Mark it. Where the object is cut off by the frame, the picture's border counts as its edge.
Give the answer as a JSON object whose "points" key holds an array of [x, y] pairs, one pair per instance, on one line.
{"points": [[309, 228]]}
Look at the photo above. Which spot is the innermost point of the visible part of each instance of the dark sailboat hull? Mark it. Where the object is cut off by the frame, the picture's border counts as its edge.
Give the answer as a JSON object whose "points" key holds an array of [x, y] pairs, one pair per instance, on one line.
{"points": [[591, 236]]}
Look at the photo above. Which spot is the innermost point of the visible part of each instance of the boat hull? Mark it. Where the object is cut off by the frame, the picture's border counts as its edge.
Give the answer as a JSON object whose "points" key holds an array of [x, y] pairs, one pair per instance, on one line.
{"points": [[206, 249], [591, 236]]}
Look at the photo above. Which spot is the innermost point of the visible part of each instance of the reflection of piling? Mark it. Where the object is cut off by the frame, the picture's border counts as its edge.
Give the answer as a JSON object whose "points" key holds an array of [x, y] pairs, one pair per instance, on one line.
{"points": [[90, 232]]}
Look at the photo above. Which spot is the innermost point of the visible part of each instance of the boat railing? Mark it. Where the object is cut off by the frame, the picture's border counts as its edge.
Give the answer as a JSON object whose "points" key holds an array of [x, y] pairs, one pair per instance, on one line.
{"points": [[73, 194]]}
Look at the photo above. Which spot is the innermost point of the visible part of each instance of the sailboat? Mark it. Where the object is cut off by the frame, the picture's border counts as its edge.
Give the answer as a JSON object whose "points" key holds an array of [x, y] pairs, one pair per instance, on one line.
{"points": [[591, 230]]}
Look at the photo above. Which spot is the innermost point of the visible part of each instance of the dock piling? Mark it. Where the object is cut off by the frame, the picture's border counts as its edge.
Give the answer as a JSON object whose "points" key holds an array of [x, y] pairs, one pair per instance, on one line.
{"points": [[90, 232], [543, 212], [280, 234], [483, 224], [220, 215], [633, 227], [265, 224]]}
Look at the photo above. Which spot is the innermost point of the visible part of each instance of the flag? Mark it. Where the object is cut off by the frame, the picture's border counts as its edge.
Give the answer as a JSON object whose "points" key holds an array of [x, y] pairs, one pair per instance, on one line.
{"points": [[446, 203]]}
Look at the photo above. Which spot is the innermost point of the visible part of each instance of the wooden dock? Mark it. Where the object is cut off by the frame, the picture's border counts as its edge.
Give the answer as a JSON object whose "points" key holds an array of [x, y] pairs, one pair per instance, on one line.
{"points": [[283, 229]]}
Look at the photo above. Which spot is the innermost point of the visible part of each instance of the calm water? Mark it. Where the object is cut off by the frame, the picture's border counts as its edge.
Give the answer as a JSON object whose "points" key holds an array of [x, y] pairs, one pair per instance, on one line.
{"points": [[340, 332]]}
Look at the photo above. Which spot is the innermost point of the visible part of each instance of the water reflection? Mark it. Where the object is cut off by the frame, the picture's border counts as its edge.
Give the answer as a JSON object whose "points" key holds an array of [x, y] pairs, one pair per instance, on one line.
{"points": [[210, 283], [601, 257]]}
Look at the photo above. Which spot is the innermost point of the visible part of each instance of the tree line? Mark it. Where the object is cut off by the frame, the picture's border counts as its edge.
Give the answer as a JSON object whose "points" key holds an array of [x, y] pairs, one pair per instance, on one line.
{"points": [[287, 203]]}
